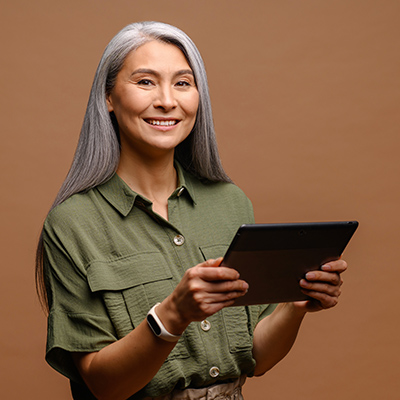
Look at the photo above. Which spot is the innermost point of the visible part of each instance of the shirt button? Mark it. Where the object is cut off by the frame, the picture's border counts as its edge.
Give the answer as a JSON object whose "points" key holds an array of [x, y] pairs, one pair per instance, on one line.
{"points": [[180, 191], [214, 372], [179, 240], [205, 325]]}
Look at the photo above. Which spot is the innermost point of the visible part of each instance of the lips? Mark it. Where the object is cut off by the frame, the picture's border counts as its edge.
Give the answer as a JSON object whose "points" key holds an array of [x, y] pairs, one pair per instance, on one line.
{"points": [[161, 122]]}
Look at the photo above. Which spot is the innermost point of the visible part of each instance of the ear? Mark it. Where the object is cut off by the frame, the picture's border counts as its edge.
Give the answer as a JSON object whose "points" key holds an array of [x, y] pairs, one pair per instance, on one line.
{"points": [[109, 103]]}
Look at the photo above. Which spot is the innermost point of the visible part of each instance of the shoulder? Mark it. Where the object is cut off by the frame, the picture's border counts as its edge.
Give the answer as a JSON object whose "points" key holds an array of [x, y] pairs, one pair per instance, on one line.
{"points": [[222, 199], [73, 211], [223, 191]]}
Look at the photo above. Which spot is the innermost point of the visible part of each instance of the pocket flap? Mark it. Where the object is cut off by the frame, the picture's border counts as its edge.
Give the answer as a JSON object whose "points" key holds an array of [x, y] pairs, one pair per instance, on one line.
{"points": [[127, 272]]}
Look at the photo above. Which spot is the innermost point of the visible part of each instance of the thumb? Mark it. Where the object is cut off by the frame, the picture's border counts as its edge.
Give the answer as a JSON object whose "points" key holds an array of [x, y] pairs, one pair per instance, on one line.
{"points": [[213, 262]]}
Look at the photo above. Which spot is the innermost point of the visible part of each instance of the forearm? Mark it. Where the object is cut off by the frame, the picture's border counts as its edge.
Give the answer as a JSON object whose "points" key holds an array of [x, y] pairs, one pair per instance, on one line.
{"points": [[124, 367], [274, 336]]}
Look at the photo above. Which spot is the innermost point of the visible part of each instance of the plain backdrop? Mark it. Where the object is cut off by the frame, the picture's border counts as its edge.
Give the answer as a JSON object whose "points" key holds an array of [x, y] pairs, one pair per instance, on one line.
{"points": [[306, 98]]}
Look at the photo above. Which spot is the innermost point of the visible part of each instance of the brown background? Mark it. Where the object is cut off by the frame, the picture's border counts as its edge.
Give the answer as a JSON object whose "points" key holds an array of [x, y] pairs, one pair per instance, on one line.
{"points": [[306, 103]]}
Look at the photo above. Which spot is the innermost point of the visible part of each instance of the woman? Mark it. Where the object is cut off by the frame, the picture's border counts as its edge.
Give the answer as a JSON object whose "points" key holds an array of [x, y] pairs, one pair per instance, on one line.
{"points": [[128, 254]]}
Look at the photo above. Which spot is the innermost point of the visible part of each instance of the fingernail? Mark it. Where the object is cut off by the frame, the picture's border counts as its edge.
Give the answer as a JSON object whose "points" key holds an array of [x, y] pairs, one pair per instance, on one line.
{"points": [[310, 275], [326, 267], [245, 286]]}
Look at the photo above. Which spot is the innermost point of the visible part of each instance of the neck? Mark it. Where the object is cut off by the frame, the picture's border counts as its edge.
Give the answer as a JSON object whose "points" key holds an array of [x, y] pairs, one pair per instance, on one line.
{"points": [[155, 179]]}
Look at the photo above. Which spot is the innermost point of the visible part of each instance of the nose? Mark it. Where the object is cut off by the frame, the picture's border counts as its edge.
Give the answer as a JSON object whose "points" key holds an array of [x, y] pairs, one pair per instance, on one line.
{"points": [[165, 98]]}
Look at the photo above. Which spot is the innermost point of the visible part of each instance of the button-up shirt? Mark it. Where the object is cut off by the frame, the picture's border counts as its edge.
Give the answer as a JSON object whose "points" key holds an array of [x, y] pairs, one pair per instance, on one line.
{"points": [[109, 258]]}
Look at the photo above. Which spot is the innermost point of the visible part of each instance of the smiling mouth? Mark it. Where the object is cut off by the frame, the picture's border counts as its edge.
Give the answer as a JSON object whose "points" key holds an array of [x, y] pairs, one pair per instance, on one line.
{"points": [[158, 122]]}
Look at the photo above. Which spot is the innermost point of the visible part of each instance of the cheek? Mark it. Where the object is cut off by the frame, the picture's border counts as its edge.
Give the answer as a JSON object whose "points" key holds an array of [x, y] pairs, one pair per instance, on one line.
{"points": [[131, 105], [192, 106]]}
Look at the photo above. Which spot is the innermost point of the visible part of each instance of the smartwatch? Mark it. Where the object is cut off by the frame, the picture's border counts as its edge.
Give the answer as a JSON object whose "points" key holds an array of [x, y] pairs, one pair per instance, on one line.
{"points": [[158, 328]]}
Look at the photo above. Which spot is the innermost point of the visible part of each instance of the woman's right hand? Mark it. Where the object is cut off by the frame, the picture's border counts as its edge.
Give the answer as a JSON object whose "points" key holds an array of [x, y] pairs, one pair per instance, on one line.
{"points": [[203, 290], [123, 367]]}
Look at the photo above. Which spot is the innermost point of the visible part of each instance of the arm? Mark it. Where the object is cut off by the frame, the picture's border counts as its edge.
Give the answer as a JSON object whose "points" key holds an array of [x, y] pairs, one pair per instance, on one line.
{"points": [[124, 367], [275, 335]]}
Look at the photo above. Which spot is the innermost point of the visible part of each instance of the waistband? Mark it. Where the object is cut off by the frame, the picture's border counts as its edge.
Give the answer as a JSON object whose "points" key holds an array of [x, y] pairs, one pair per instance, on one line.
{"points": [[218, 391]]}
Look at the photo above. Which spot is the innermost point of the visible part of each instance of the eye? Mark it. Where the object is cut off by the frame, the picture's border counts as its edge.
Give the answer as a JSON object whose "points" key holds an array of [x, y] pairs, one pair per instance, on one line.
{"points": [[145, 82], [183, 83]]}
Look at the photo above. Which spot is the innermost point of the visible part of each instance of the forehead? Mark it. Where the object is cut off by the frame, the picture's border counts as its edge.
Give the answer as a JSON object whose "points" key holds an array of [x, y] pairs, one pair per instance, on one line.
{"points": [[157, 55]]}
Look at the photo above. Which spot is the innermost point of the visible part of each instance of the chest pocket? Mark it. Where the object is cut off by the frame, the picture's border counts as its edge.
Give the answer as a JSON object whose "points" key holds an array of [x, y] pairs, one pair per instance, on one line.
{"points": [[236, 320], [130, 286]]}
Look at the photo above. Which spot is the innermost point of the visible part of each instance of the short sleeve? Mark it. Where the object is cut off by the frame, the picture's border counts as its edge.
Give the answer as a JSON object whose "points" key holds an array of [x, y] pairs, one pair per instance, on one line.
{"points": [[78, 320], [265, 310], [259, 312]]}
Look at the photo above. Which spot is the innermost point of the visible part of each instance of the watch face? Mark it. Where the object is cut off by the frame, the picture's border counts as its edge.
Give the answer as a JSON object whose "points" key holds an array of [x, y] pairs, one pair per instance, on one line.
{"points": [[153, 324]]}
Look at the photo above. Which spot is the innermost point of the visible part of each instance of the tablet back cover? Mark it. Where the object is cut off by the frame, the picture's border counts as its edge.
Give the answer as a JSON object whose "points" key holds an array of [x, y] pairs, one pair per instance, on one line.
{"points": [[272, 258]]}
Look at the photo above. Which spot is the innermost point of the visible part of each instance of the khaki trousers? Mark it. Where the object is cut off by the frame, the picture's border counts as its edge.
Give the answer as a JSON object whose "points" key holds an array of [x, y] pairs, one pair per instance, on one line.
{"points": [[219, 391]]}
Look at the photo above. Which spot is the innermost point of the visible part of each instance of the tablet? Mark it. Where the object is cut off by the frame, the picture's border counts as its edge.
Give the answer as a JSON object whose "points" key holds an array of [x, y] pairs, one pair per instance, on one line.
{"points": [[272, 258]]}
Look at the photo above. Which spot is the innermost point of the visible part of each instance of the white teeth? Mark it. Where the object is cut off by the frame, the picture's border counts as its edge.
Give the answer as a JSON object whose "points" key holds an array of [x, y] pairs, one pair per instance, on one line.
{"points": [[162, 123]]}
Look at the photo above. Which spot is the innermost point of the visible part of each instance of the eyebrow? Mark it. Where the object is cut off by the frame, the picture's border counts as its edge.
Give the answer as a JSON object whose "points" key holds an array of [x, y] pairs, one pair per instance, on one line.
{"points": [[153, 72]]}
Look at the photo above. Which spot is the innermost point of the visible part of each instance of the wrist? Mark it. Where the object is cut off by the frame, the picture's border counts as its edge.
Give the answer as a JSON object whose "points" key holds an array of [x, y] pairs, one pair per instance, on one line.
{"points": [[293, 310], [171, 318], [158, 327]]}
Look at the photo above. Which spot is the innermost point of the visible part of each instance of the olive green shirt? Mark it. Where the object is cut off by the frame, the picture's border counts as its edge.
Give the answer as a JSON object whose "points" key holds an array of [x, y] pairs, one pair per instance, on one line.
{"points": [[109, 258]]}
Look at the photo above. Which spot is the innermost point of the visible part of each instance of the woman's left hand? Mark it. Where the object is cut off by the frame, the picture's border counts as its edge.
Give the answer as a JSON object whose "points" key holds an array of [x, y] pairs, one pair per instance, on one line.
{"points": [[274, 336], [324, 286]]}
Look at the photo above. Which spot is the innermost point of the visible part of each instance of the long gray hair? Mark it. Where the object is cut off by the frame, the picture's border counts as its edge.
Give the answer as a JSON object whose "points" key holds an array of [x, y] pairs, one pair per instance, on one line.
{"points": [[97, 154]]}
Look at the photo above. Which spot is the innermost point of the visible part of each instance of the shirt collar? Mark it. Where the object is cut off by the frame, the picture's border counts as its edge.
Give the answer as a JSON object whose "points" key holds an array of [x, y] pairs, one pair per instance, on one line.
{"points": [[185, 181], [123, 198]]}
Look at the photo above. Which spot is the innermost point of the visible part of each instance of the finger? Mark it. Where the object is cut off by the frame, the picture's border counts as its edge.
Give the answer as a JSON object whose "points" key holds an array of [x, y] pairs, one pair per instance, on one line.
{"points": [[204, 304], [208, 309], [338, 266], [219, 260], [321, 287], [227, 286], [212, 287], [211, 262], [217, 274], [325, 300], [330, 277], [217, 297]]}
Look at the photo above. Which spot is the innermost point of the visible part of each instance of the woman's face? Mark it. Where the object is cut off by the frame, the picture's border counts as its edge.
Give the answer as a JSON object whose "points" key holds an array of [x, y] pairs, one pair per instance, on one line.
{"points": [[155, 100]]}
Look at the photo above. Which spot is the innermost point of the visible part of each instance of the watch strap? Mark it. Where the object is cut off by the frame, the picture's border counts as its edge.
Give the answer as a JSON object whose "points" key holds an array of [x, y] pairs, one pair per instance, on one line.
{"points": [[158, 328]]}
